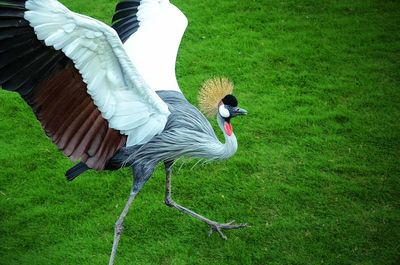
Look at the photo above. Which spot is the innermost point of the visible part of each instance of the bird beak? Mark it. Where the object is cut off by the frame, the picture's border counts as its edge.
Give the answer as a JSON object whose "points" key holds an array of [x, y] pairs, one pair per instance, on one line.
{"points": [[238, 112]]}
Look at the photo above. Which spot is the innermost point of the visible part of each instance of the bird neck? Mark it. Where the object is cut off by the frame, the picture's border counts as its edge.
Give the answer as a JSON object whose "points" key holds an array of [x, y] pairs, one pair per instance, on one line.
{"points": [[230, 145]]}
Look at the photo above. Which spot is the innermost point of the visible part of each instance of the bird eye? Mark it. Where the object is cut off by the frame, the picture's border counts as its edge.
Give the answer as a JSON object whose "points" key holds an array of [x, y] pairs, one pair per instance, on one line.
{"points": [[223, 111]]}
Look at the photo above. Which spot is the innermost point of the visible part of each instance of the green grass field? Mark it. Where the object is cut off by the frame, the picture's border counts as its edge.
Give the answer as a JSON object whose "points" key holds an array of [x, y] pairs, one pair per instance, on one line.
{"points": [[317, 170]]}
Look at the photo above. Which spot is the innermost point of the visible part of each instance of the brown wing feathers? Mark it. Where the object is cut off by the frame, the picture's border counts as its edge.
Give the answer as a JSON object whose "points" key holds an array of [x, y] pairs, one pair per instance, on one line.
{"points": [[48, 81]]}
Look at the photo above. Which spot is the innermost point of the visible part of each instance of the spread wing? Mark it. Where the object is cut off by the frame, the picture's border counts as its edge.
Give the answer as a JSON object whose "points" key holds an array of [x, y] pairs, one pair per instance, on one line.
{"points": [[151, 31], [75, 74]]}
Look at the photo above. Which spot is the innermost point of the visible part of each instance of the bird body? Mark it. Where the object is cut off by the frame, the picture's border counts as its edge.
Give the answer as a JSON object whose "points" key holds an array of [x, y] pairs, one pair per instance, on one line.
{"points": [[187, 133], [109, 97]]}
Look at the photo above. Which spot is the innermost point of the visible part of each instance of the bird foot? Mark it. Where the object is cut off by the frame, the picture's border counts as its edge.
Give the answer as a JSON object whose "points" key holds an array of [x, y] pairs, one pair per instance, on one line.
{"points": [[216, 227]]}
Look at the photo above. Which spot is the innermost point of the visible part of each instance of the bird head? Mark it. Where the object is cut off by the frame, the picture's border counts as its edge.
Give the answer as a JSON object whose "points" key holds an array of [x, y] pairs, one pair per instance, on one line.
{"points": [[228, 108], [215, 98]]}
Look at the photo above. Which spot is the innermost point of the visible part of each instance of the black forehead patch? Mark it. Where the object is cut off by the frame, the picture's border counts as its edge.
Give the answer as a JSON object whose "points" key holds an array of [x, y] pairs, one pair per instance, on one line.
{"points": [[230, 100]]}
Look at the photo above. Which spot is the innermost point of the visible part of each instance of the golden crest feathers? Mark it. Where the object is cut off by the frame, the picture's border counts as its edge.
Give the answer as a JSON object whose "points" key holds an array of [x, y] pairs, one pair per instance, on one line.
{"points": [[211, 94]]}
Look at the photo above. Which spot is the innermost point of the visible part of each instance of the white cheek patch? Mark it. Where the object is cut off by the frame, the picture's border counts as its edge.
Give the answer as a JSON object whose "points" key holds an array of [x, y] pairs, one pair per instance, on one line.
{"points": [[223, 111]]}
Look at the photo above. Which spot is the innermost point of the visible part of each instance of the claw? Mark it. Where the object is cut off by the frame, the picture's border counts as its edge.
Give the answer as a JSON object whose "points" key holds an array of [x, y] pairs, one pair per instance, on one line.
{"points": [[216, 228], [219, 227], [221, 234]]}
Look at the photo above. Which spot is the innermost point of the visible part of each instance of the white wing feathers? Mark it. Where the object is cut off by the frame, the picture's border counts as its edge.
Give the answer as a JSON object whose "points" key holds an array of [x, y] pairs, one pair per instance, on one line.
{"points": [[116, 87], [154, 46]]}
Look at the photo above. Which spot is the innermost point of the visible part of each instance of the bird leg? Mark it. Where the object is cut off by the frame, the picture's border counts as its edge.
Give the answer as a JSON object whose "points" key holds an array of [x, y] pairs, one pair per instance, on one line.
{"points": [[120, 223], [214, 226], [141, 175]]}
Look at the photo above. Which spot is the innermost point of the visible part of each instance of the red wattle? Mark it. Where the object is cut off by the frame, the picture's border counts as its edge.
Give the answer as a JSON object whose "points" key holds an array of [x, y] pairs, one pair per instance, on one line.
{"points": [[228, 128]]}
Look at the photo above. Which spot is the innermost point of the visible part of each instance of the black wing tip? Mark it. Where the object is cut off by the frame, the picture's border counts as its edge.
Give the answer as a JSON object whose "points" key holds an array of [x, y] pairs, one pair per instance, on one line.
{"points": [[16, 4], [76, 170], [125, 19]]}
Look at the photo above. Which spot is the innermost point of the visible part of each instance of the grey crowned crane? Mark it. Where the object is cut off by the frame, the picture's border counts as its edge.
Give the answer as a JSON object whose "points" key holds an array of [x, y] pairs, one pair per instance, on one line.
{"points": [[108, 96]]}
